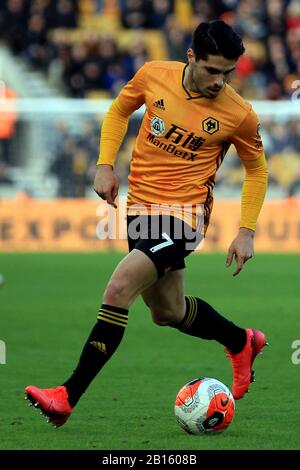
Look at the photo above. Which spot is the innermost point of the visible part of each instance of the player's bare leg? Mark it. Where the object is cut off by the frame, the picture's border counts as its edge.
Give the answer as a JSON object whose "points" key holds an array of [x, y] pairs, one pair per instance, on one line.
{"points": [[134, 274], [166, 300]]}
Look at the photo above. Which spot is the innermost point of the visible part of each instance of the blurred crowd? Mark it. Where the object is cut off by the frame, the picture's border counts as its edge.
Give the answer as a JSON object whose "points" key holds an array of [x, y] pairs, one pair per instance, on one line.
{"points": [[85, 43], [91, 48]]}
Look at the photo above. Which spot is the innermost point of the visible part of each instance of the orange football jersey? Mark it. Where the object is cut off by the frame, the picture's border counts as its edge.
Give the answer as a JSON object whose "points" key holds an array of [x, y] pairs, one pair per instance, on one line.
{"points": [[183, 138]]}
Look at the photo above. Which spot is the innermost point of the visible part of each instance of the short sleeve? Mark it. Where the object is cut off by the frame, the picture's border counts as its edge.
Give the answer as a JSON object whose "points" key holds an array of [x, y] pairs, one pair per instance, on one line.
{"points": [[132, 95], [247, 139]]}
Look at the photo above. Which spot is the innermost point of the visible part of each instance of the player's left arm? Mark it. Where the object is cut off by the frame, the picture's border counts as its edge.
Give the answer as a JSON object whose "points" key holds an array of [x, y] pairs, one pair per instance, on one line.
{"points": [[250, 150], [113, 131]]}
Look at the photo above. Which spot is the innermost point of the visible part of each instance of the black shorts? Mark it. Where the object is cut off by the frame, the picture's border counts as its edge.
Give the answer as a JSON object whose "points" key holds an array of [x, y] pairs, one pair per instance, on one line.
{"points": [[166, 240]]}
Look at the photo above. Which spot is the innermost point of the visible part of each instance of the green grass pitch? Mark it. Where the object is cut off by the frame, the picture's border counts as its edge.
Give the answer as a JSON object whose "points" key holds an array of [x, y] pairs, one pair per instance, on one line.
{"points": [[48, 306]]}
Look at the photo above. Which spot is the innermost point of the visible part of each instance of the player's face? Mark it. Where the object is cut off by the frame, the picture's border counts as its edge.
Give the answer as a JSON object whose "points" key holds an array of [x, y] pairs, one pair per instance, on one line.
{"points": [[209, 76]]}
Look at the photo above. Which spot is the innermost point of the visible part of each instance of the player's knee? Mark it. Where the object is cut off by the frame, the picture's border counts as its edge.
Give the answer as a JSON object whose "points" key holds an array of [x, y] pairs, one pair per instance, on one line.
{"points": [[165, 317], [116, 292]]}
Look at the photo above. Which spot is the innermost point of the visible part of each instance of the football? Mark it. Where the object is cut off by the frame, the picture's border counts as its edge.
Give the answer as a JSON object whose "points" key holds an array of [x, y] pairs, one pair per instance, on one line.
{"points": [[204, 405]]}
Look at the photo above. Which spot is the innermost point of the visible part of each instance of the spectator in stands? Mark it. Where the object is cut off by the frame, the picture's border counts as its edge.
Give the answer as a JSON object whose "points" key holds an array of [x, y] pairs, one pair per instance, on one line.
{"points": [[159, 12], [133, 59], [177, 39], [135, 13], [13, 21], [38, 50], [8, 120], [63, 14], [62, 167], [73, 75], [4, 175]]}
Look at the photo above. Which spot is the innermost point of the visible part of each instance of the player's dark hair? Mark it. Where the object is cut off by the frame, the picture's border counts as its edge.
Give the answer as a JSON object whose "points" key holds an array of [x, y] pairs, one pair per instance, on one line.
{"points": [[216, 38]]}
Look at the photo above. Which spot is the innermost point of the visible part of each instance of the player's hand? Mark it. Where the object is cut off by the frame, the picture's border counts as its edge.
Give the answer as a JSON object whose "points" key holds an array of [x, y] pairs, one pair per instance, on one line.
{"points": [[241, 249], [106, 184]]}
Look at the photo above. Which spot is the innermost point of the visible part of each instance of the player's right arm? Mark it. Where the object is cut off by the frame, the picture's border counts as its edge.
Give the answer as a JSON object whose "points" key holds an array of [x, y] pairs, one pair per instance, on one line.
{"points": [[113, 130], [106, 184]]}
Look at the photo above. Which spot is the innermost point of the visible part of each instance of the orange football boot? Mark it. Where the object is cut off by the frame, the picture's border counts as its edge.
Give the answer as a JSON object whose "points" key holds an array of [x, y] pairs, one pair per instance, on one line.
{"points": [[53, 403], [242, 362]]}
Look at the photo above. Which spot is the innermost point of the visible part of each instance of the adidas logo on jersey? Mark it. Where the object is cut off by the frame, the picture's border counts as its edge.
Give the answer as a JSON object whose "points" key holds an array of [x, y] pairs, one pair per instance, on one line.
{"points": [[160, 104]]}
